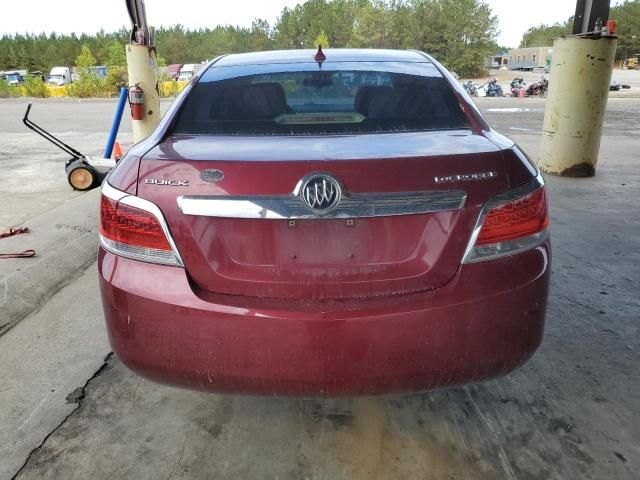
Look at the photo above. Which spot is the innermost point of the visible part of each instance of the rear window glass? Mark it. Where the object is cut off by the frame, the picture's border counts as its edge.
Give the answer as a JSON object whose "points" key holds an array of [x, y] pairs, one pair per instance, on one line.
{"points": [[320, 102]]}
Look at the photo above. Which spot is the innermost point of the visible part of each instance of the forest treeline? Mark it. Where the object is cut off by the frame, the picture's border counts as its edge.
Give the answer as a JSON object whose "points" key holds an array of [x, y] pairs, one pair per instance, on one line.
{"points": [[627, 16], [460, 33]]}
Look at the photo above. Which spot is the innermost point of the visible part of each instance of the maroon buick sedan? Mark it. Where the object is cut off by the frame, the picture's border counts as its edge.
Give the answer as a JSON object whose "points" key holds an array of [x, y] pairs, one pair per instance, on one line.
{"points": [[330, 224]]}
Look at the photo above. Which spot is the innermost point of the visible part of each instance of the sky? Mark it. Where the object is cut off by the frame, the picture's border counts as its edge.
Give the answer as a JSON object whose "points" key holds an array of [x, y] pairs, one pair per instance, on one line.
{"points": [[66, 16]]}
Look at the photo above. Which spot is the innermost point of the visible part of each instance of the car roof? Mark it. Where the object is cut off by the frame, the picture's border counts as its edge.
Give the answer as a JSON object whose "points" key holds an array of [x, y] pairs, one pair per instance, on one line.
{"points": [[332, 55]]}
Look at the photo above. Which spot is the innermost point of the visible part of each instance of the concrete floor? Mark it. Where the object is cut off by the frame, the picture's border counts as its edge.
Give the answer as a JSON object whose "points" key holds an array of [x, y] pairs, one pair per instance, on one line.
{"points": [[570, 413]]}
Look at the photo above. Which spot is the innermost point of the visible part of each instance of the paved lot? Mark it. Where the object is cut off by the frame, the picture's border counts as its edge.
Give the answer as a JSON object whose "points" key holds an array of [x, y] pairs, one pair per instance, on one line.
{"points": [[70, 410]]}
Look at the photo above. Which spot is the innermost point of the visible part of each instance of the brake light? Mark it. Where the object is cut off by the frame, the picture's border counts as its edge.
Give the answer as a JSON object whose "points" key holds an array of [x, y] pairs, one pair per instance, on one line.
{"points": [[131, 226], [511, 225], [516, 219], [134, 231]]}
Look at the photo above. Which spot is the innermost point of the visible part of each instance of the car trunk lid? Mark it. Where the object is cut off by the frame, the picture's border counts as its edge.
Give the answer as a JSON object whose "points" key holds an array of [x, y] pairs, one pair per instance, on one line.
{"points": [[351, 254]]}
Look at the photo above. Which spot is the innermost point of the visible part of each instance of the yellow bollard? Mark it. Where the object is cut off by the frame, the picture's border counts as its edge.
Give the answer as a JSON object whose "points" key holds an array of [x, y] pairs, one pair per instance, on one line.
{"points": [[142, 66], [577, 99]]}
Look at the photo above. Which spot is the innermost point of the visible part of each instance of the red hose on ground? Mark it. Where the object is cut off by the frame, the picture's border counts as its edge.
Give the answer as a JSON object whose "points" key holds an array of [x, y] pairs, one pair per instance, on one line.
{"points": [[17, 231]]}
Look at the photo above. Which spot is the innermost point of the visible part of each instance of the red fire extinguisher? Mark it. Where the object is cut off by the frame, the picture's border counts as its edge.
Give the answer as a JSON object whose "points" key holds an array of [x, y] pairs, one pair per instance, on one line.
{"points": [[136, 101]]}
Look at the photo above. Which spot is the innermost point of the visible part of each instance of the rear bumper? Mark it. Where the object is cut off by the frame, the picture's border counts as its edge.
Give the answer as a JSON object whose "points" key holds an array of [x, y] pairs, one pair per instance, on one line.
{"points": [[484, 323]]}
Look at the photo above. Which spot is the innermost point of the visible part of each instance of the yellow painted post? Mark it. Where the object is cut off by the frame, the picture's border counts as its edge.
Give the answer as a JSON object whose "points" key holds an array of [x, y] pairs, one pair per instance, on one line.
{"points": [[577, 99], [142, 66]]}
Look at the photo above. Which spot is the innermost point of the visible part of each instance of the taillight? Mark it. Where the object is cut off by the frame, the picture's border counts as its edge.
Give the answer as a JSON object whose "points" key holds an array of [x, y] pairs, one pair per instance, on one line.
{"points": [[511, 223], [135, 228]]}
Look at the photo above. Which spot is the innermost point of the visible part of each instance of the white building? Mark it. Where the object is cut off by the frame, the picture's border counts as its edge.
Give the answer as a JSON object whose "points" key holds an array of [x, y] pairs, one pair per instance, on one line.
{"points": [[530, 58]]}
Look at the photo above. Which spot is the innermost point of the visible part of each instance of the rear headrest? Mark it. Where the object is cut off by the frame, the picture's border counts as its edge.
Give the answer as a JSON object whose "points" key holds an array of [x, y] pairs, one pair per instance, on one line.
{"points": [[226, 103], [400, 102], [264, 101], [383, 104], [258, 101], [366, 95], [411, 101]]}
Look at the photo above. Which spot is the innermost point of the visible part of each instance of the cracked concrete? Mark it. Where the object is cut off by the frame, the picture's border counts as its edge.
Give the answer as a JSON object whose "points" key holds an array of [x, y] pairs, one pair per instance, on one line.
{"points": [[74, 397], [44, 358], [570, 413]]}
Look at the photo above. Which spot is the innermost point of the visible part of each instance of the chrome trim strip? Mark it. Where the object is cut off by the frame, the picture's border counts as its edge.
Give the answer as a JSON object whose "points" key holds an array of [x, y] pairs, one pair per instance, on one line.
{"points": [[151, 255], [137, 202], [504, 249], [500, 199], [112, 193], [353, 205]]}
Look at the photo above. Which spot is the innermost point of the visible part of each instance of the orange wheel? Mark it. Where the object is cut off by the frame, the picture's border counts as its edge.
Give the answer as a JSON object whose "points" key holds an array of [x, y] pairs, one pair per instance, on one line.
{"points": [[82, 178]]}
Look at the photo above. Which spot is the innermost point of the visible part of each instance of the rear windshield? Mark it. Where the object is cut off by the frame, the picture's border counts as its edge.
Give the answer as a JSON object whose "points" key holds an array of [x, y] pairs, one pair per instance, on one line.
{"points": [[320, 102]]}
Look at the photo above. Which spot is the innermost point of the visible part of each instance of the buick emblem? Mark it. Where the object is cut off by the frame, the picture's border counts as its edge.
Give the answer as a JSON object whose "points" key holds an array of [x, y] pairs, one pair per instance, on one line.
{"points": [[212, 175], [320, 192]]}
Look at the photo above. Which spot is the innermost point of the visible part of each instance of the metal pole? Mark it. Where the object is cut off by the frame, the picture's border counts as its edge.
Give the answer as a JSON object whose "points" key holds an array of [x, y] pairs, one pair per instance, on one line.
{"points": [[143, 70], [587, 12], [122, 101], [578, 92], [142, 66]]}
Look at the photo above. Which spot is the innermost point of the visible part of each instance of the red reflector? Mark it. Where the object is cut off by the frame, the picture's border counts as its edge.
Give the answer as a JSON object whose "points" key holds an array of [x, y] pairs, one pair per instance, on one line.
{"points": [[517, 219], [131, 226]]}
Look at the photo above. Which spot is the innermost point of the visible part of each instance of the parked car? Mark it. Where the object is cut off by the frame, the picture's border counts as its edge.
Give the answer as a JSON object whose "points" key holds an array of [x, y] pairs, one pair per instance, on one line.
{"points": [[324, 225], [16, 77], [59, 76], [186, 72], [173, 70], [100, 71], [37, 74]]}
